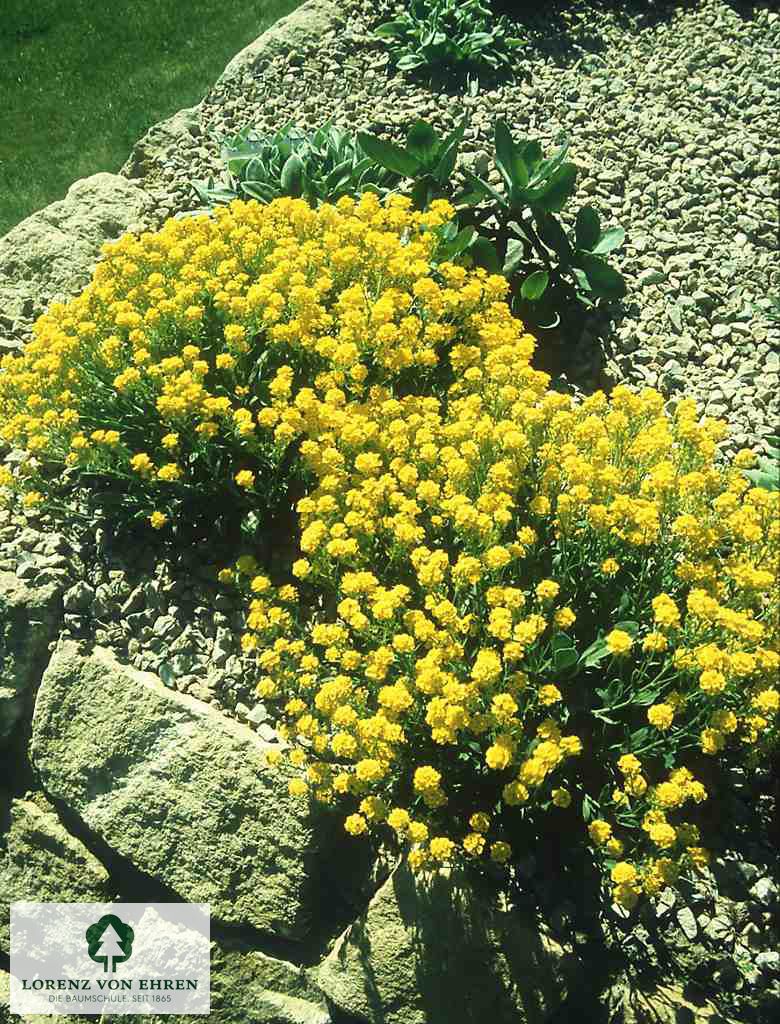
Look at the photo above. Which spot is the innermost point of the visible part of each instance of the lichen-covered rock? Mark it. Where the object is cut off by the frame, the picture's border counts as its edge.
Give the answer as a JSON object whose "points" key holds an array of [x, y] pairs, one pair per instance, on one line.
{"points": [[298, 32], [181, 791], [29, 620], [422, 950], [41, 861], [51, 254]]}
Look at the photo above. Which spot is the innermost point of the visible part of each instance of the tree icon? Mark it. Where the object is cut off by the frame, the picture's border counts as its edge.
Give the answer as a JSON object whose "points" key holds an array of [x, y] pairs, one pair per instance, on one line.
{"points": [[110, 941]]}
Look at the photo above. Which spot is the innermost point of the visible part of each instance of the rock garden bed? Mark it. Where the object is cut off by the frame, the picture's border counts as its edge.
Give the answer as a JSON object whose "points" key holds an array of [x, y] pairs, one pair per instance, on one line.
{"points": [[127, 683]]}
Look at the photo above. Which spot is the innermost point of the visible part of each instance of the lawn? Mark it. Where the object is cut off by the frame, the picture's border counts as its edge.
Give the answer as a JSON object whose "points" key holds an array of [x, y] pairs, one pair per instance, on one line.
{"points": [[81, 81]]}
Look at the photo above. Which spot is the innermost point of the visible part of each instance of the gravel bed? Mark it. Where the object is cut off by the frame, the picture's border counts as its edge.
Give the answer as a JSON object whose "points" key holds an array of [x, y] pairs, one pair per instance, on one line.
{"points": [[672, 112]]}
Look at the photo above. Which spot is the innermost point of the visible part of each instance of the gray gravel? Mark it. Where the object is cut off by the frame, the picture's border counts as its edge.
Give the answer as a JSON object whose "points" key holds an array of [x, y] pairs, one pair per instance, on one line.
{"points": [[672, 113]]}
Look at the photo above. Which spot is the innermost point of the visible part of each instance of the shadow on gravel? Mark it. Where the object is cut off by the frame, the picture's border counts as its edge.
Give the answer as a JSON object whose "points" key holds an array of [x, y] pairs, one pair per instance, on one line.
{"points": [[565, 30]]}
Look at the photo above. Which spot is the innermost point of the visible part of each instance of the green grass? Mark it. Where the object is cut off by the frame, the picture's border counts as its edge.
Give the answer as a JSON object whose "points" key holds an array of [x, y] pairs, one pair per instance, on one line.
{"points": [[82, 80]]}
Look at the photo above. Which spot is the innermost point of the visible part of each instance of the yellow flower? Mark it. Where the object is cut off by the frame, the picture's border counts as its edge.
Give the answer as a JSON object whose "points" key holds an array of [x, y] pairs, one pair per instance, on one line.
{"points": [[297, 787], [564, 618], [628, 764], [442, 848], [474, 844], [712, 741], [142, 464], [547, 590], [561, 797], [426, 778], [158, 520], [356, 825], [663, 835], [479, 821], [610, 567], [245, 478], [169, 472], [623, 873], [636, 785], [600, 831], [619, 642], [549, 694], [398, 819], [767, 702], [661, 716]]}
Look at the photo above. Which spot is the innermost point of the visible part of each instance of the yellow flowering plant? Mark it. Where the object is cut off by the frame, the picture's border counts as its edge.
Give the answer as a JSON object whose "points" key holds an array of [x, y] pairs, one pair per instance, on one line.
{"points": [[162, 391], [509, 611], [511, 605]]}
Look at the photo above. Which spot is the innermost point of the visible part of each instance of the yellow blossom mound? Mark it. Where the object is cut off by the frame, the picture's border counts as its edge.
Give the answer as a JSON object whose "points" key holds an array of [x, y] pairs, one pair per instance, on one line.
{"points": [[508, 607], [536, 607], [167, 380]]}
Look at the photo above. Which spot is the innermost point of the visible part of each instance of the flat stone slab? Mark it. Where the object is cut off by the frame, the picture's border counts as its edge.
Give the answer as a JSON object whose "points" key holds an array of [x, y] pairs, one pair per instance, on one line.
{"points": [[29, 619], [181, 791], [51, 254], [41, 861], [438, 953]]}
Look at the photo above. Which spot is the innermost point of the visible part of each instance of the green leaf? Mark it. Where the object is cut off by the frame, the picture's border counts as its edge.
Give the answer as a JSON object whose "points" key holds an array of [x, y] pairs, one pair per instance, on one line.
{"points": [[604, 280], [766, 476], [449, 154], [552, 196], [582, 282], [592, 655], [549, 229], [422, 142], [410, 61], [455, 246], [587, 229], [515, 254], [257, 190], [608, 241], [628, 626], [388, 155], [535, 285], [292, 175], [531, 152], [485, 255], [564, 652], [545, 168], [391, 29], [508, 160], [485, 189]]}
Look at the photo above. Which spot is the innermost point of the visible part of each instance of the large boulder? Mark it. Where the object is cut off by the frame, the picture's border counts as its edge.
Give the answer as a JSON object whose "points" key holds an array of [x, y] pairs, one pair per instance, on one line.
{"points": [[423, 949], [51, 255], [41, 861], [299, 32], [29, 621], [177, 788]]}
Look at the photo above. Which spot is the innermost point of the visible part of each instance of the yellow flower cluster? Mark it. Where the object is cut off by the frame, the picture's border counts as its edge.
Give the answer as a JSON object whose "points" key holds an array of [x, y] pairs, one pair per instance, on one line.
{"points": [[435, 523], [471, 543], [189, 341]]}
